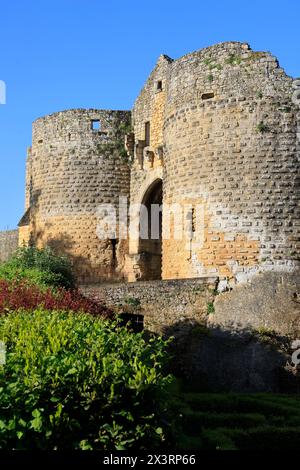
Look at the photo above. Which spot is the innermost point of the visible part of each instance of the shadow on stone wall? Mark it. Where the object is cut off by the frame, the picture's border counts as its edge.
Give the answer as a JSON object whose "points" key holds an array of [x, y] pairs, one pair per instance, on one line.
{"points": [[216, 359], [85, 270], [270, 299]]}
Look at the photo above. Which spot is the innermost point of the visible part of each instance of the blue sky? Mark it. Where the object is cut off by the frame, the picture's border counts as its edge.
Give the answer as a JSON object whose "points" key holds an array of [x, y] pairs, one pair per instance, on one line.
{"points": [[67, 54]]}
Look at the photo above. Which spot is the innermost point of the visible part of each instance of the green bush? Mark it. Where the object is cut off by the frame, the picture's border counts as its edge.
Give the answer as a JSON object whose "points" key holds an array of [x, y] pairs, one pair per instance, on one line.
{"points": [[77, 382], [39, 266], [9, 272]]}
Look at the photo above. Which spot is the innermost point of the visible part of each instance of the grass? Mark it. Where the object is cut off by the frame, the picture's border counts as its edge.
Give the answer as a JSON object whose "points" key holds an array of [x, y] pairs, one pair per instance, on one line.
{"points": [[238, 421]]}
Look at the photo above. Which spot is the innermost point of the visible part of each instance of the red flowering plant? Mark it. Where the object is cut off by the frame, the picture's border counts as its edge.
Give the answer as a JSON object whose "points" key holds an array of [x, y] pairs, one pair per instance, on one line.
{"points": [[15, 295]]}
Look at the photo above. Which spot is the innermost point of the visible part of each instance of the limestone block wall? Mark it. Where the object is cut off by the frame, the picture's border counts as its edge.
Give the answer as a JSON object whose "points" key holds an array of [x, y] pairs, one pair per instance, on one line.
{"points": [[147, 165], [230, 148], [8, 244], [218, 340], [71, 170]]}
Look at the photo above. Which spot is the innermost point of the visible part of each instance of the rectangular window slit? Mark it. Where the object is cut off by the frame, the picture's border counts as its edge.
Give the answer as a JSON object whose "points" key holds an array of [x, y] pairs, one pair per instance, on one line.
{"points": [[159, 85], [207, 96], [147, 134]]}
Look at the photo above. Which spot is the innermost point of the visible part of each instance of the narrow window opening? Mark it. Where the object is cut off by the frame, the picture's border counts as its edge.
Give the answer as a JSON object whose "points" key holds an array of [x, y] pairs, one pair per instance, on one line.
{"points": [[208, 96], [114, 243], [96, 126], [159, 85], [147, 134], [193, 217]]}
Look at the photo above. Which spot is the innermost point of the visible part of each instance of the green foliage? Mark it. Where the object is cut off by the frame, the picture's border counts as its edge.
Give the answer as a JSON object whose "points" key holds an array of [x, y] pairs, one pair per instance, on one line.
{"points": [[210, 78], [32, 275], [210, 308], [259, 94], [214, 291], [233, 59], [263, 331], [133, 301], [207, 62], [198, 289], [78, 382], [39, 266], [212, 65], [284, 109], [118, 142]]}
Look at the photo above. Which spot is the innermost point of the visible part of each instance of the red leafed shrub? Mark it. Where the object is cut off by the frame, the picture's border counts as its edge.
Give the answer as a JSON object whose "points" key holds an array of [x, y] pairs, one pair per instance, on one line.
{"points": [[16, 295]]}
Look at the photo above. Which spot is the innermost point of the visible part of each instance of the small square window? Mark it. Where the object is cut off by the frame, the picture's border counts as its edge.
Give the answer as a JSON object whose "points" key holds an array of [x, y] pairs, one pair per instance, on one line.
{"points": [[159, 85], [96, 125]]}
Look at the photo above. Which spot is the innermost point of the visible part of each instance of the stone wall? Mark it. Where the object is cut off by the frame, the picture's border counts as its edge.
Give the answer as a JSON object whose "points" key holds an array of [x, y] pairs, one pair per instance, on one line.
{"points": [[229, 147], [162, 303], [271, 301], [218, 129], [71, 170], [8, 244], [235, 341]]}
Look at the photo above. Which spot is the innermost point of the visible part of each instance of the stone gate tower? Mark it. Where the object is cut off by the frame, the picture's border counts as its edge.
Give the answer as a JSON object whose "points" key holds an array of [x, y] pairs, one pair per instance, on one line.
{"points": [[218, 130], [75, 164], [215, 131]]}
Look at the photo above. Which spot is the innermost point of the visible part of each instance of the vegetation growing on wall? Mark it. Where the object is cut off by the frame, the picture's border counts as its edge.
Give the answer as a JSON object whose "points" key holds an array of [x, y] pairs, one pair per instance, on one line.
{"points": [[118, 143]]}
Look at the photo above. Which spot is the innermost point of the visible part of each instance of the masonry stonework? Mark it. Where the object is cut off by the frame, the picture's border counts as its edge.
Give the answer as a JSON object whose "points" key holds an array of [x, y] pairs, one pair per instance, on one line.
{"points": [[71, 170], [229, 144], [8, 244]]}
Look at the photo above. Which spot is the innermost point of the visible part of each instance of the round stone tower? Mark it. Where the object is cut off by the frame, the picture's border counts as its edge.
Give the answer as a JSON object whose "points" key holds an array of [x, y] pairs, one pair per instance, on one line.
{"points": [[218, 129], [76, 165], [231, 147]]}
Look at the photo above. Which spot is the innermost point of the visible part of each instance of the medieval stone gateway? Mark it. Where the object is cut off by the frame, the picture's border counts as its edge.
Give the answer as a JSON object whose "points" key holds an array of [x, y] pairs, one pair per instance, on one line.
{"points": [[218, 129]]}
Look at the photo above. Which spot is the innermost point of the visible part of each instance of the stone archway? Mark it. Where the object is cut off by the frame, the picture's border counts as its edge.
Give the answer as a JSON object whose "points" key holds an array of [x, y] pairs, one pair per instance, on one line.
{"points": [[144, 260], [150, 240]]}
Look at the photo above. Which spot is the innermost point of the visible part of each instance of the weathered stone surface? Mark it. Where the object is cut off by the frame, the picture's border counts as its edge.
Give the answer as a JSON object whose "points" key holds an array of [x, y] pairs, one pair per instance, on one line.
{"points": [[71, 170], [219, 129], [269, 300], [210, 350]]}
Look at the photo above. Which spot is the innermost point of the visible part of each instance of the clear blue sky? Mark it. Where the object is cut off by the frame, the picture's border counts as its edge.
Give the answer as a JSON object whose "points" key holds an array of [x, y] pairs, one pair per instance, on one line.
{"points": [[64, 54]]}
